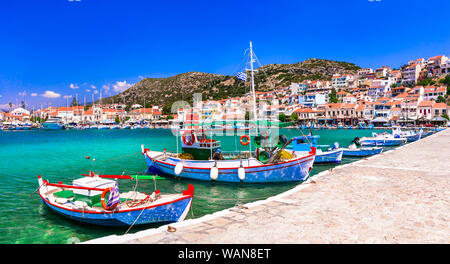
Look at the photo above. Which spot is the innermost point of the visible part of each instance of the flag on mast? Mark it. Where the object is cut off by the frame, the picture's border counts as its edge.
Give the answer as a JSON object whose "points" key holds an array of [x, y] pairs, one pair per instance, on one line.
{"points": [[242, 76], [113, 196]]}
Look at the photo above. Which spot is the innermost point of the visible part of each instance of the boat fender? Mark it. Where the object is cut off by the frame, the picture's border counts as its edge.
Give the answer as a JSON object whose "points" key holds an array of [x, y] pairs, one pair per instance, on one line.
{"points": [[214, 173], [241, 173], [178, 168], [102, 200]]}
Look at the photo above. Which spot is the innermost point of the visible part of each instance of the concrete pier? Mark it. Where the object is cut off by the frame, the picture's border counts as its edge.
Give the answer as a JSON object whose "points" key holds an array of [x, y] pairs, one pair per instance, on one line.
{"points": [[400, 196]]}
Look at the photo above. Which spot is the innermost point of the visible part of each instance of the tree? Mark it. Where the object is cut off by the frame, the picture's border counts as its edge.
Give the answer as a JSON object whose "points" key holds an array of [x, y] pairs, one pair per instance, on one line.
{"points": [[294, 117], [247, 115], [333, 96], [446, 81], [440, 99], [10, 106], [282, 117], [74, 102], [426, 82], [22, 104]]}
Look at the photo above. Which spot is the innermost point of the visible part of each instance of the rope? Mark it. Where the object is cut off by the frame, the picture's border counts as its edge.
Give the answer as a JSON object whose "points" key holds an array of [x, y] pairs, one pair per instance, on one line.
{"points": [[135, 221]]}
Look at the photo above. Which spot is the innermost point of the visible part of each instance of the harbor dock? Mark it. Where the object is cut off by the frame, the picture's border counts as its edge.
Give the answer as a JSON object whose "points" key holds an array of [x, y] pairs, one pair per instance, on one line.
{"points": [[398, 196]]}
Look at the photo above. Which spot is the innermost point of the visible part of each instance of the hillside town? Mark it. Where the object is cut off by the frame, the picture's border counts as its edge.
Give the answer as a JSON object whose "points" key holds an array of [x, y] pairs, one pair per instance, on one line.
{"points": [[415, 94]]}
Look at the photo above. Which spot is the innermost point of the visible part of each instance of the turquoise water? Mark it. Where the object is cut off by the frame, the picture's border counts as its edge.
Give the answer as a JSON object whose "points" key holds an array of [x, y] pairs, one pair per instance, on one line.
{"points": [[61, 156]]}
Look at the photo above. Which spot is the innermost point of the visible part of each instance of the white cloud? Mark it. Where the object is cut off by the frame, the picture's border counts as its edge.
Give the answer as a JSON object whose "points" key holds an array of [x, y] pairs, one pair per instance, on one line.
{"points": [[95, 92], [24, 93], [51, 94], [34, 94], [121, 86], [74, 86], [67, 96], [88, 90], [106, 88], [93, 86]]}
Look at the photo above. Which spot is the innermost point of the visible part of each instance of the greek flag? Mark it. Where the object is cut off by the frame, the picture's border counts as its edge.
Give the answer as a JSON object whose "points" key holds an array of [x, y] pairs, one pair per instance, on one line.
{"points": [[113, 196], [242, 76]]}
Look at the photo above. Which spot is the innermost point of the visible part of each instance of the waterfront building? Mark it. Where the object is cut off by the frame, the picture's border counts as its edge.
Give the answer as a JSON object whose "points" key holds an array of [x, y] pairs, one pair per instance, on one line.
{"points": [[306, 115], [440, 109], [17, 114], [424, 109]]}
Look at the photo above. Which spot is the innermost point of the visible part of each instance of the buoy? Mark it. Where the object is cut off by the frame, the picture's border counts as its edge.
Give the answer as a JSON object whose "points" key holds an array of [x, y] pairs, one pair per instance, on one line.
{"points": [[178, 168], [241, 173], [87, 157], [214, 173]]}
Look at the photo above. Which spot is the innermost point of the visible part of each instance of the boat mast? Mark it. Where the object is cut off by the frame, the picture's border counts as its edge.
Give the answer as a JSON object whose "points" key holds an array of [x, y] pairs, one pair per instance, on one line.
{"points": [[253, 82]]}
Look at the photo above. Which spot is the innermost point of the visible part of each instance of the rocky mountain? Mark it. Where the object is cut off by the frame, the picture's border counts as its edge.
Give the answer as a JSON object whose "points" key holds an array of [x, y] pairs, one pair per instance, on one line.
{"points": [[165, 91]]}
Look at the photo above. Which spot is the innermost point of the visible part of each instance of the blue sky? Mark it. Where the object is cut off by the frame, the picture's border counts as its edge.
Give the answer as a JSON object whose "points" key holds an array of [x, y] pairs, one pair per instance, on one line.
{"points": [[67, 48]]}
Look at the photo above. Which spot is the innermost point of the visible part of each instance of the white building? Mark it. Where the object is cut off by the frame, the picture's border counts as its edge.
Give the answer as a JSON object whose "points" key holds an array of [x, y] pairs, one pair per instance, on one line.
{"points": [[410, 73], [341, 81]]}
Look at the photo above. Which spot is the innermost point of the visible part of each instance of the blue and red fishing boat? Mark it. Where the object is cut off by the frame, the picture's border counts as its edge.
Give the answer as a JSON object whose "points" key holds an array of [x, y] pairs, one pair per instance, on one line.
{"points": [[201, 157], [91, 200]]}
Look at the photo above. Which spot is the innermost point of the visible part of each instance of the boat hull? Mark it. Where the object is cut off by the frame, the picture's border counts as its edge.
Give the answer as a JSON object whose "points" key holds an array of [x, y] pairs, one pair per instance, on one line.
{"points": [[382, 142], [333, 156], [172, 211], [294, 170], [52, 126], [362, 152]]}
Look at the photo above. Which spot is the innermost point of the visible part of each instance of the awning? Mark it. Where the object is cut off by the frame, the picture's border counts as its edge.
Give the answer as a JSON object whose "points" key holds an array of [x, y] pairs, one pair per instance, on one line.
{"points": [[380, 120], [439, 118]]}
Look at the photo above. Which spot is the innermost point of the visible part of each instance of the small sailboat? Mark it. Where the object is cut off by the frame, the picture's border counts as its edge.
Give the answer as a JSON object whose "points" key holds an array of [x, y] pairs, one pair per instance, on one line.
{"points": [[95, 199]]}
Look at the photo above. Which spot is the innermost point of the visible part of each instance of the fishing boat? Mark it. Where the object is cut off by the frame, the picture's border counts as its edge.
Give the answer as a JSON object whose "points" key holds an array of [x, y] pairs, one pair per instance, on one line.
{"points": [[408, 134], [201, 157], [95, 199], [53, 123], [303, 143], [381, 139], [354, 151]]}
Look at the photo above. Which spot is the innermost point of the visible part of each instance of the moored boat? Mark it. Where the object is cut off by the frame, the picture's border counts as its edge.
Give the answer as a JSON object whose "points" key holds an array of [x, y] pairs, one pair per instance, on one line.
{"points": [[354, 151], [202, 157], [382, 139], [53, 123], [87, 201], [303, 143]]}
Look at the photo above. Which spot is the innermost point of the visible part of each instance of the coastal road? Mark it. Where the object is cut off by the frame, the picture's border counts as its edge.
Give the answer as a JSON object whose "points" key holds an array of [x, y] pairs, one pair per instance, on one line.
{"points": [[400, 196]]}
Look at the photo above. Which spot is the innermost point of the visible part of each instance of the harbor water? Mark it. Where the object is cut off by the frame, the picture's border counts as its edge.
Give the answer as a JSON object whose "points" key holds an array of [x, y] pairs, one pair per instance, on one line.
{"points": [[63, 155]]}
